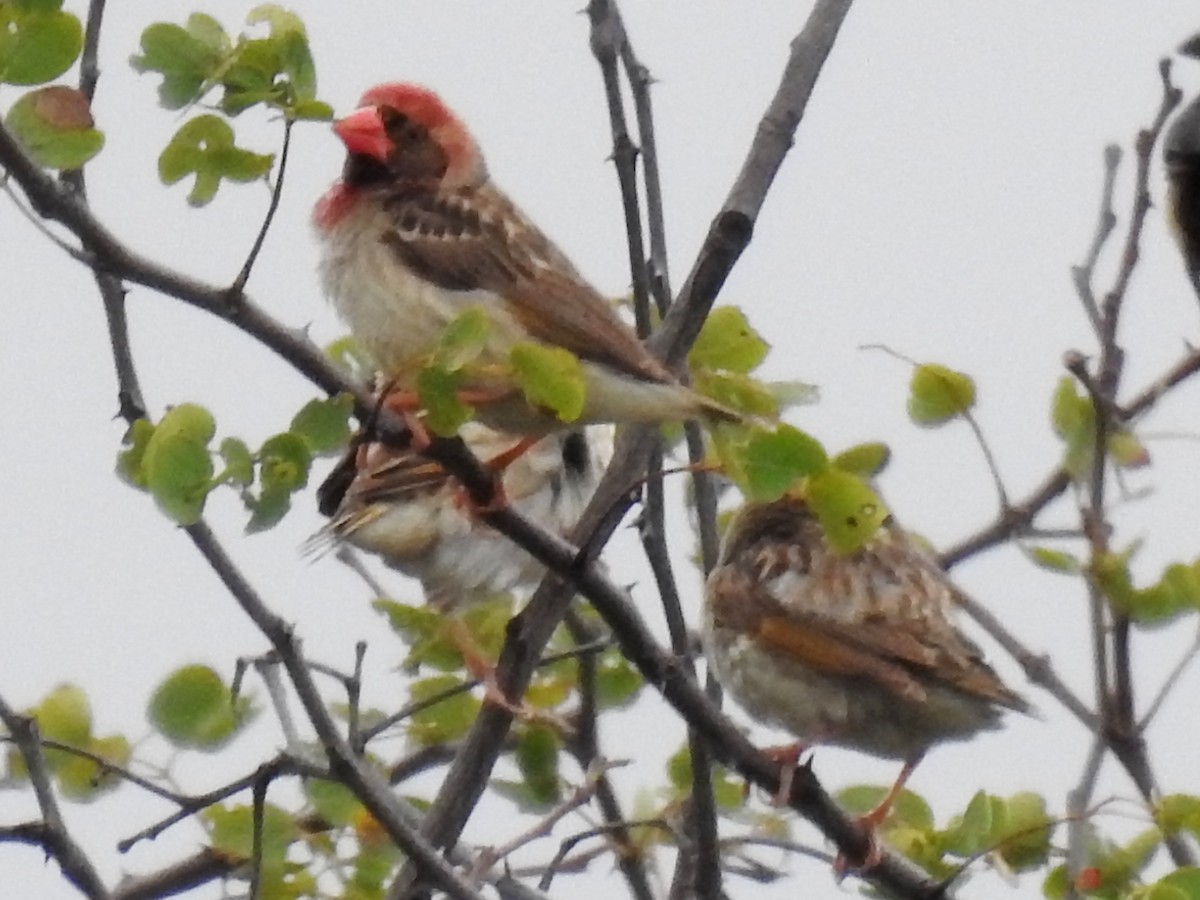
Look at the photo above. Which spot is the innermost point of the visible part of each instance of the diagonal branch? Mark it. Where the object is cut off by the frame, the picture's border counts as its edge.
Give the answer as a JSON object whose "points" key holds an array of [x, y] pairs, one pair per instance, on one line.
{"points": [[730, 232], [51, 833]]}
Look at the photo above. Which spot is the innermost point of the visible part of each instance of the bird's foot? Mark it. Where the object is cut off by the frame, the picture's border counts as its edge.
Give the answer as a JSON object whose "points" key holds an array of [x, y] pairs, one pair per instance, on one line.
{"points": [[787, 756], [870, 822], [483, 670]]}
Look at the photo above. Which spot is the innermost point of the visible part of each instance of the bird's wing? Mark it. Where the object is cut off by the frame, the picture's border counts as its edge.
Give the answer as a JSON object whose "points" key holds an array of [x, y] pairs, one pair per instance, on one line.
{"points": [[898, 653], [477, 240]]}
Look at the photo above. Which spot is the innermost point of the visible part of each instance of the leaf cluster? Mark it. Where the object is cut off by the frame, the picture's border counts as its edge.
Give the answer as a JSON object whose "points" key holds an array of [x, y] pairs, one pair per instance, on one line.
{"points": [[175, 463]]}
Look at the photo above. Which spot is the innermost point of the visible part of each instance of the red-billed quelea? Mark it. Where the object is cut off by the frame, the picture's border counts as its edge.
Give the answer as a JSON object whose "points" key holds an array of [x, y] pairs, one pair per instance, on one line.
{"points": [[855, 650], [415, 232]]}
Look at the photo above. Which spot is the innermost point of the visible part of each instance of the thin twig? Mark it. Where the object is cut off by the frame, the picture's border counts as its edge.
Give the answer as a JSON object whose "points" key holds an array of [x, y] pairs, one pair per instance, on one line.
{"points": [[568, 844], [189, 805], [1083, 274], [606, 36], [1188, 657], [752, 840], [580, 797], [586, 749], [1037, 667], [236, 290]]}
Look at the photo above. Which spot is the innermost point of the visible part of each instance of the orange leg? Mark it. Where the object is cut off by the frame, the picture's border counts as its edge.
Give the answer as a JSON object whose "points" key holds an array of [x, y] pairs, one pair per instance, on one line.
{"points": [[788, 758], [496, 465], [502, 461], [407, 405], [873, 819], [484, 670]]}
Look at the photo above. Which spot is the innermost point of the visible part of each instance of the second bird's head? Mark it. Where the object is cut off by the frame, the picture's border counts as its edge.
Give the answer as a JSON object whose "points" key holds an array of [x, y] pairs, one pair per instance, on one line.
{"points": [[405, 132]]}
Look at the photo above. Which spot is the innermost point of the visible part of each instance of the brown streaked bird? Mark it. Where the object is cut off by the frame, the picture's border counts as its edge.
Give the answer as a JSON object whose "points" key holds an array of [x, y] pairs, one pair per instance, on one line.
{"points": [[415, 232], [410, 512], [856, 650]]}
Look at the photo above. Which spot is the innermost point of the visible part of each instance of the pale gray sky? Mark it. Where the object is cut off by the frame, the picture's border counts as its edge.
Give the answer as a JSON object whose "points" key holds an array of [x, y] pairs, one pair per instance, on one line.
{"points": [[944, 180]]}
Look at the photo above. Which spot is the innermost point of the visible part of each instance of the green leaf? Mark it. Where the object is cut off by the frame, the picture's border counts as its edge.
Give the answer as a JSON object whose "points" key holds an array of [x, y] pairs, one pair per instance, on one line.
{"points": [[938, 394], [909, 808], [1178, 812], [726, 341], [1127, 450], [849, 511], [424, 631], [1055, 560], [37, 43], [1025, 836], [793, 393], [537, 758], [193, 708], [446, 720], [971, 833], [463, 339], [130, 460], [728, 789], [773, 461], [64, 715], [552, 685], [324, 423], [204, 147], [332, 801], [180, 477], [1055, 884], [550, 377], [239, 464], [349, 357], [187, 58], [373, 864], [83, 779], [1074, 420], [1185, 880], [268, 508], [679, 770], [312, 111], [438, 390], [284, 461], [1125, 863], [54, 125], [1176, 591], [1160, 890], [233, 834], [737, 391], [617, 682], [176, 466], [864, 460], [295, 60], [187, 420]]}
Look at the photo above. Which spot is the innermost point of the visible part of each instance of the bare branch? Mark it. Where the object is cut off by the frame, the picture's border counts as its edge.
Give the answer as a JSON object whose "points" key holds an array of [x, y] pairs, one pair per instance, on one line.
{"points": [[1083, 274], [580, 797], [202, 867], [239, 284], [733, 226], [559, 863], [1185, 660]]}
